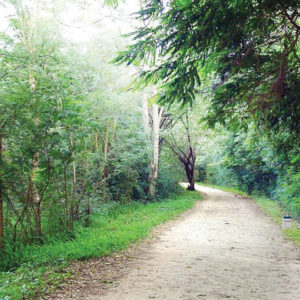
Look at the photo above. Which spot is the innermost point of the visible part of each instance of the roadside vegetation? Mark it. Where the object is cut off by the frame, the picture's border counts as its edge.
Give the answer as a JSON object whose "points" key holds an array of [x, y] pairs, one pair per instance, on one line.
{"points": [[276, 212], [115, 228], [106, 105]]}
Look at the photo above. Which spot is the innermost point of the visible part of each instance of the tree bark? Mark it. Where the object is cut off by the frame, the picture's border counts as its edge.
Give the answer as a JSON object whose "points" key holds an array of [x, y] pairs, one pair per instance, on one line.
{"points": [[74, 168], [74, 212], [35, 198], [156, 114], [155, 157], [188, 160], [189, 168], [105, 169]]}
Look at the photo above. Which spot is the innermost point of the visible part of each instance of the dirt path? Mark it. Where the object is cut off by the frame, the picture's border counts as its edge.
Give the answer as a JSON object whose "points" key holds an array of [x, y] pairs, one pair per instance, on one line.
{"points": [[226, 248]]}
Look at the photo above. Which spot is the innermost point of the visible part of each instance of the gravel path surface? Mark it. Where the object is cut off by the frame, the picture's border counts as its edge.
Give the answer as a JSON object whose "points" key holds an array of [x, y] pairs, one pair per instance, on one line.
{"points": [[225, 248]]}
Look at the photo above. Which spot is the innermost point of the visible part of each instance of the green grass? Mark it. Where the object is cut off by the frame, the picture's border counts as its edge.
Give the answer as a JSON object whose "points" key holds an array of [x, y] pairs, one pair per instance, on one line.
{"points": [[43, 266], [271, 208], [31, 280]]}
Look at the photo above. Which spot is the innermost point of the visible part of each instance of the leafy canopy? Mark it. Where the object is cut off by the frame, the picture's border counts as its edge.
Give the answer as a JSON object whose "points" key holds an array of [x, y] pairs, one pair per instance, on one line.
{"points": [[244, 53]]}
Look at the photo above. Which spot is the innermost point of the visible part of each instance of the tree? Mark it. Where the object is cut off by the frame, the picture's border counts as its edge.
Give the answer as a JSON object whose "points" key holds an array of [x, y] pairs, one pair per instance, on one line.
{"points": [[37, 101], [153, 118], [245, 52], [183, 138], [243, 56], [71, 134]]}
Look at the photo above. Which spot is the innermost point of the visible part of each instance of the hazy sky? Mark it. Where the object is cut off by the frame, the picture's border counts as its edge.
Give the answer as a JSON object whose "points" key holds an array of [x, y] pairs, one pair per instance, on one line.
{"points": [[82, 25], [81, 22], [5, 11]]}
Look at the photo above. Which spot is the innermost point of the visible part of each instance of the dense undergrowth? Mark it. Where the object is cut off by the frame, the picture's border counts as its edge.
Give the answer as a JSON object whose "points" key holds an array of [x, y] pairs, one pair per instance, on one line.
{"points": [[115, 228]]}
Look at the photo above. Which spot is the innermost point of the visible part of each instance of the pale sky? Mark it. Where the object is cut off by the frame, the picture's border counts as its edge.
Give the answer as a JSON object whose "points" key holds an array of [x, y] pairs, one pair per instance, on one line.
{"points": [[81, 23], [4, 12]]}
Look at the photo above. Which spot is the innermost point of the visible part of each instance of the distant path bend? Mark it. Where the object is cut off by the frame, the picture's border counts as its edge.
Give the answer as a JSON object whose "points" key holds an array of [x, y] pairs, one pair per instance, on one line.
{"points": [[226, 248]]}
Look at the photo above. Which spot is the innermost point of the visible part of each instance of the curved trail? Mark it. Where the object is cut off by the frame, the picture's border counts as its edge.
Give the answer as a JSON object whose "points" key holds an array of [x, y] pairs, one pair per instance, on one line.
{"points": [[226, 248]]}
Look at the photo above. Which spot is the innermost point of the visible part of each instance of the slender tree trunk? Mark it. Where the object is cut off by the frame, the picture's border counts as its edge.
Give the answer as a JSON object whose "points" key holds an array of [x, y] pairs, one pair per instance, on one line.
{"points": [[35, 198], [192, 183], [146, 122], [188, 160], [73, 168], [1, 195], [105, 149], [190, 175], [96, 142], [74, 213], [105, 169], [156, 114], [66, 191], [155, 158]]}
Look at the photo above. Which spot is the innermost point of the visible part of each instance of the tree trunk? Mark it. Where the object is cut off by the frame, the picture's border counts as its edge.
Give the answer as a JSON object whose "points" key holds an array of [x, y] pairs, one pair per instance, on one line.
{"points": [[35, 198], [74, 214], [188, 160], [74, 168], [146, 124], [105, 169], [190, 174], [155, 157], [156, 114]]}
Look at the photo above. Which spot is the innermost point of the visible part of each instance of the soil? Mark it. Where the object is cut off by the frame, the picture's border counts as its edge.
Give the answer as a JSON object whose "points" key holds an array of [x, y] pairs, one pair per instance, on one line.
{"points": [[224, 248]]}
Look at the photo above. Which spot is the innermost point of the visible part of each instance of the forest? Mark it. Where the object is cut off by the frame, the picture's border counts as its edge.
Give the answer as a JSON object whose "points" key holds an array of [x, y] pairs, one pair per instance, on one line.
{"points": [[107, 105]]}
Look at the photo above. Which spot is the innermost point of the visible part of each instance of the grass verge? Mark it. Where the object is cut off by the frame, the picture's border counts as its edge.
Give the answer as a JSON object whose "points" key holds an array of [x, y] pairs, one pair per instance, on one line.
{"points": [[44, 266], [271, 208]]}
